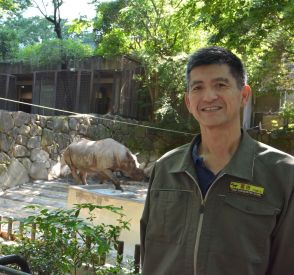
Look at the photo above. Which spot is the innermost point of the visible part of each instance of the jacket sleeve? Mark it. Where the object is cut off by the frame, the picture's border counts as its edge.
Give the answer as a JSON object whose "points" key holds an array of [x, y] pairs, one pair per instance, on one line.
{"points": [[282, 247], [145, 218]]}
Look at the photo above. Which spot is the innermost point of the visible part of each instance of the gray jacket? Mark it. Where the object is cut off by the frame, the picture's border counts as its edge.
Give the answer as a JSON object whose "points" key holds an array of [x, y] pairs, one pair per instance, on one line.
{"points": [[243, 226]]}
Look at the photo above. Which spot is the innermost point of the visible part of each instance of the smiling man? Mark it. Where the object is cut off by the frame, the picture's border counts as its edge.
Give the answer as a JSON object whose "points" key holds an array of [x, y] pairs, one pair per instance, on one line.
{"points": [[223, 204]]}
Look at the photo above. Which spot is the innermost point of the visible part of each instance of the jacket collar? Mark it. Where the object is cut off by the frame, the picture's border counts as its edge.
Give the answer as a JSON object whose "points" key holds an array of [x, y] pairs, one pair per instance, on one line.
{"points": [[241, 164]]}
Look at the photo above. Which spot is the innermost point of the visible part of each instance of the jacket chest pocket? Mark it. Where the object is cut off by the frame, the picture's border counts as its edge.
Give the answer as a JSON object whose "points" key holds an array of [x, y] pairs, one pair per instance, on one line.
{"points": [[168, 215], [243, 228]]}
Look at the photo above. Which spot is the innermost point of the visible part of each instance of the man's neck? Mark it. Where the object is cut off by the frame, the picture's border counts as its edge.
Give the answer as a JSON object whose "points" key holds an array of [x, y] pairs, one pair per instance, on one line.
{"points": [[218, 146]]}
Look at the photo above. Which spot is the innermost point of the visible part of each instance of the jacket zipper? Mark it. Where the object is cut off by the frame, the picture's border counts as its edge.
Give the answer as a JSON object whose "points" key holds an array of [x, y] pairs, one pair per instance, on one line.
{"points": [[201, 215]]}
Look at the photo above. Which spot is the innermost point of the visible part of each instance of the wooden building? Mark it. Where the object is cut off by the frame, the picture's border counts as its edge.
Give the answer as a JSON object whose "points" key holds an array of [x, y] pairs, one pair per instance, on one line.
{"points": [[8, 90], [93, 85]]}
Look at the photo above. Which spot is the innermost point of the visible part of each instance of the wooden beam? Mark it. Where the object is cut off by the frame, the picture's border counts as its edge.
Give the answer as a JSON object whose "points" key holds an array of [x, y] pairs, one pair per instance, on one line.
{"points": [[78, 91], [92, 98]]}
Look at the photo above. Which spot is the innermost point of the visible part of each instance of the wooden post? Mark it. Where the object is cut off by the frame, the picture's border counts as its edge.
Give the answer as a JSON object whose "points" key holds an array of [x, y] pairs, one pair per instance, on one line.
{"points": [[120, 251], [33, 233], [88, 242], [21, 229], [92, 97], [7, 93], [78, 92], [9, 229], [54, 92], [137, 258]]}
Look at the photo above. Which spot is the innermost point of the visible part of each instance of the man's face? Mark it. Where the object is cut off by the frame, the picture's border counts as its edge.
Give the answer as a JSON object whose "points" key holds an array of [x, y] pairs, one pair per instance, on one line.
{"points": [[213, 97]]}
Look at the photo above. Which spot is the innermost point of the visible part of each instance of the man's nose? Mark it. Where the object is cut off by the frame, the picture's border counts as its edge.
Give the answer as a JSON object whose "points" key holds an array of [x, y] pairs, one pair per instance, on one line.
{"points": [[210, 95]]}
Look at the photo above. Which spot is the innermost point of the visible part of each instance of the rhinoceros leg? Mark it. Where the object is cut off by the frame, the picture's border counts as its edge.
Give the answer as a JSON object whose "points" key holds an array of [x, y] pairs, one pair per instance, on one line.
{"points": [[74, 174], [83, 176], [109, 175]]}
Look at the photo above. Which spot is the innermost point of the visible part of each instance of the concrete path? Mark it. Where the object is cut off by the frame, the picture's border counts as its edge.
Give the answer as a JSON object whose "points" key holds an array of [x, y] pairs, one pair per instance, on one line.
{"points": [[52, 194]]}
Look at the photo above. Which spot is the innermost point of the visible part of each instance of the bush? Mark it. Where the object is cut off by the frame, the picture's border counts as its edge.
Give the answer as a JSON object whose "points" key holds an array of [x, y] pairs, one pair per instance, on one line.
{"points": [[287, 113], [65, 242]]}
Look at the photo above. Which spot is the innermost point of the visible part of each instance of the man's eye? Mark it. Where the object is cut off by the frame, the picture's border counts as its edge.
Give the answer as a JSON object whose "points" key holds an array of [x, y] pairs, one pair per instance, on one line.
{"points": [[196, 89], [221, 85]]}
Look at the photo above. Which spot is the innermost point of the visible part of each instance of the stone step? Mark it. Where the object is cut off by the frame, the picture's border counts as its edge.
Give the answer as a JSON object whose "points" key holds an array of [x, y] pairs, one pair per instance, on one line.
{"points": [[55, 202], [33, 191], [17, 203], [49, 184], [47, 187], [49, 194], [15, 214]]}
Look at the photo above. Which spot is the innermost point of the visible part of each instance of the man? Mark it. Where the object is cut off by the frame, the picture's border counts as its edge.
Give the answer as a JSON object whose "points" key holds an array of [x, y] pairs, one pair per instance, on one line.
{"points": [[223, 204]]}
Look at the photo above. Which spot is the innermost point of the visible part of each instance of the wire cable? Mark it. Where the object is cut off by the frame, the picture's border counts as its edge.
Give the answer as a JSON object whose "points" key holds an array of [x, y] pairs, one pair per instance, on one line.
{"points": [[93, 116]]}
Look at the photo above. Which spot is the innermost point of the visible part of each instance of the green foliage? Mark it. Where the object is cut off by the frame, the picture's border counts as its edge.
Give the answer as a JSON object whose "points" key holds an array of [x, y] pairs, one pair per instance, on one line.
{"points": [[287, 113], [158, 33], [30, 30], [261, 32], [8, 43], [113, 43], [65, 241], [159, 27], [12, 6], [54, 51], [6, 5], [107, 17]]}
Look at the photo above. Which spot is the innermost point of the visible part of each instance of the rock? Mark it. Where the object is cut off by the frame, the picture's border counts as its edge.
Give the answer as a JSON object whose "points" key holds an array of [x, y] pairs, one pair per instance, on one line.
{"points": [[55, 171], [49, 124], [39, 155], [21, 139], [4, 158], [26, 163], [16, 175], [98, 132], [73, 124], [60, 124], [24, 130], [62, 140], [43, 121], [21, 118], [35, 130], [83, 129], [20, 151], [3, 168], [47, 138], [34, 142], [39, 171], [6, 121], [6, 143]]}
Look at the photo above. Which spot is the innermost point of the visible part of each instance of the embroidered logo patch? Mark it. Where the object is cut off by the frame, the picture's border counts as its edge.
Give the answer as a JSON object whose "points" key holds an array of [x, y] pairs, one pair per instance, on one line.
{"points": [[247, 189]]}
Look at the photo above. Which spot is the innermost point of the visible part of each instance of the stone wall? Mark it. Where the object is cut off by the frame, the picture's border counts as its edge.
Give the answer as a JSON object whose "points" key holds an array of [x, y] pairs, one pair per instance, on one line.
{"points": [[31, 145]]}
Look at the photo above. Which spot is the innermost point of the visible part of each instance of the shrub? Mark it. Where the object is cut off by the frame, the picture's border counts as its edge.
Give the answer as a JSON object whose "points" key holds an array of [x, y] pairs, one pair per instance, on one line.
{"points": [[65, 242]]}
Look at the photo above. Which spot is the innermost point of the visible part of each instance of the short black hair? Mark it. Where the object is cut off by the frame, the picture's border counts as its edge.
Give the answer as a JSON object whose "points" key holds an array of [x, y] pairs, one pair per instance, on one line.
{"points": [[217, 55]]}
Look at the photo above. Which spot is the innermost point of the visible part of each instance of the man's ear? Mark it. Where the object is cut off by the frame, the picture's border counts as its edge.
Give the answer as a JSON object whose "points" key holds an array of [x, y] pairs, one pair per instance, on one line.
{"points": [[187, 100], [246, 91]]}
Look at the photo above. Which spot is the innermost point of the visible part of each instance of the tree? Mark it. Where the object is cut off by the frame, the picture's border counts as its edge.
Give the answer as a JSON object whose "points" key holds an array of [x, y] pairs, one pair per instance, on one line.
{"points": [[8, 43], [55, 17], [261, 32], [107, 18], [30, 30], [12, 6], [158, 33], [48, 52]]}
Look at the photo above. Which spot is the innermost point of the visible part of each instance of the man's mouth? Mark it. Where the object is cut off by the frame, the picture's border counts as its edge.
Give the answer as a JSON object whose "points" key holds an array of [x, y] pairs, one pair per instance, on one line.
{"points": [[211, 109]]}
